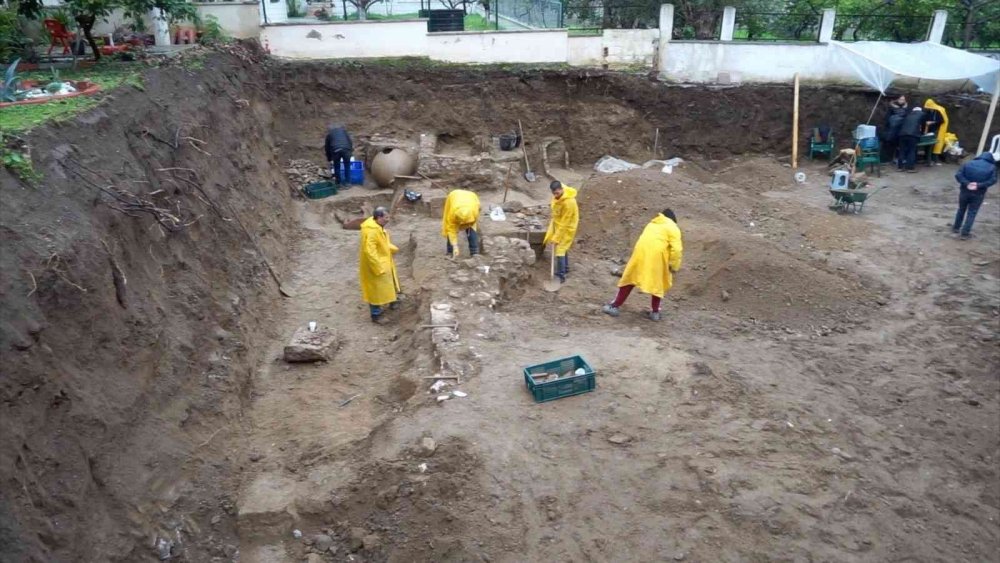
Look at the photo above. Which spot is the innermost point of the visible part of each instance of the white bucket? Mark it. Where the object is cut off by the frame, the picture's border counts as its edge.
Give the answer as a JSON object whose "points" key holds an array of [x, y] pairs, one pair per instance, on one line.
{"points": [[840, 179]]}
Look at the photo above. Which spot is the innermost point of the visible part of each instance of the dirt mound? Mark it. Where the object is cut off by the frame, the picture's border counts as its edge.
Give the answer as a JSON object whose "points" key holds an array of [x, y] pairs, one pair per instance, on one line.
{"points": [[407, 509], [731, 263]]}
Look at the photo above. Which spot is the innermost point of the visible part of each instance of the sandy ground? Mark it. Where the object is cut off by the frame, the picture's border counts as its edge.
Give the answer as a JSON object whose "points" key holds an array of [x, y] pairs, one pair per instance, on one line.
{"points": [[840, 404]]}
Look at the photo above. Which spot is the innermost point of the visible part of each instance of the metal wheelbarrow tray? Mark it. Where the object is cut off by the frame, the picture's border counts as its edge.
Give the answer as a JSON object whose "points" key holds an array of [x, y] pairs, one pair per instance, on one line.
{"points": [[846, 199]]}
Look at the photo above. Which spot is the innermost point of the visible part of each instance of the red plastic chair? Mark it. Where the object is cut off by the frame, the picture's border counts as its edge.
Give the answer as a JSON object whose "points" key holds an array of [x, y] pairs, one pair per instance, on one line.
{"points": [[60, 36]]}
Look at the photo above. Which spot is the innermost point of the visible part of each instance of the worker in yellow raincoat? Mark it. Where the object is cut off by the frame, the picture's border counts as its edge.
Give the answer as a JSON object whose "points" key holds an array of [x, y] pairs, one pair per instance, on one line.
{"points": [[938, 121], [562, 226], [461, 213], [656, 256], [376, 266]]}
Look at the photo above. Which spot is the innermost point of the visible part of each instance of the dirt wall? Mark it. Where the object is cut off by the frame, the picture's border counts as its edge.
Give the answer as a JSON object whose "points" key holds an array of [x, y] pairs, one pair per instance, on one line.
{"points": [[596, 112], [125, 343]]}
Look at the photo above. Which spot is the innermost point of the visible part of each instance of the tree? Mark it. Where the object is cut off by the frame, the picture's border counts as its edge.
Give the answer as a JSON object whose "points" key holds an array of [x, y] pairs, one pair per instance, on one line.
{"points": [[363, 6], [88, 12]]}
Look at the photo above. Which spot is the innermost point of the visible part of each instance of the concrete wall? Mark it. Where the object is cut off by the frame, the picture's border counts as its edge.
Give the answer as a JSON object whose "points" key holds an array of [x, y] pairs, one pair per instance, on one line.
{"points": [[543, 46], [238, 19], [703, 61], [368, 39], [623, 47]]}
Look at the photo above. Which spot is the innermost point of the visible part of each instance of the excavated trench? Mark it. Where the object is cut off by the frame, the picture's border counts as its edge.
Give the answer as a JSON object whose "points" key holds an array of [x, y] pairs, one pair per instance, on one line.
{"points": [[143, 404]]}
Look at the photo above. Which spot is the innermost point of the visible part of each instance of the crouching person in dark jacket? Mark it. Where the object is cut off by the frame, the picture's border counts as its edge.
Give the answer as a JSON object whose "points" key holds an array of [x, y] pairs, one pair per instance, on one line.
{"points": [[974, 178], [338, 148]]}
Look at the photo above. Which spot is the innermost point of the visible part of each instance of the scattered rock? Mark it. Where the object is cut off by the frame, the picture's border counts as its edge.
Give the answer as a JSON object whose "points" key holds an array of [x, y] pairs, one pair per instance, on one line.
{"points": [[843, 454], [256, 456], [370, 542], [314, 558], [357, 539], [308, 346], [216, 519], [428, 446], [322, 542], [617, 271], [881, 300], [619, 439], [725, 295], [297, 534], [972, 403], [163, 547], [512, 206]]}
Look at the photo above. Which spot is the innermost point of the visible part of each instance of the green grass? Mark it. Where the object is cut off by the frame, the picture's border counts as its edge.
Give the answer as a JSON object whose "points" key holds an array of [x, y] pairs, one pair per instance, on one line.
{"points": [[108, 75], [475, 22]]}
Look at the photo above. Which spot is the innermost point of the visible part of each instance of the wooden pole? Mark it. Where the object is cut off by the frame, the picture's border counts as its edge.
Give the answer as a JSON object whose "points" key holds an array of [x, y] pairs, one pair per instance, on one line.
{"points": [[989, 117], [656, 142], [795, 126]]}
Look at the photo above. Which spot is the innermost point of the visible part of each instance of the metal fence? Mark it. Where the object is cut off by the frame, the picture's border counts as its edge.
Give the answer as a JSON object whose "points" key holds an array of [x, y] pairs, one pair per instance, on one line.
{"points": [[764, 26], [532, 13], [869, 27]]}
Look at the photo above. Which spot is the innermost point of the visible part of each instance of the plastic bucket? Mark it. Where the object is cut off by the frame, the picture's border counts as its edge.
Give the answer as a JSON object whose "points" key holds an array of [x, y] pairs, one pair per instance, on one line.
{"points": [[357, 175], [840, 179]]}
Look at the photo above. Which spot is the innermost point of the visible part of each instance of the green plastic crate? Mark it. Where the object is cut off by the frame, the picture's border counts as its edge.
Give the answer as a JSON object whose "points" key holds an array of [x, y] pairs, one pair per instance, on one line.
{"points": [[319, 190], [564, 386]]}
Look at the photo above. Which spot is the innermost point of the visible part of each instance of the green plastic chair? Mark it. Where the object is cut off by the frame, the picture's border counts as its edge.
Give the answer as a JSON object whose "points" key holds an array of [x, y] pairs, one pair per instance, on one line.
{"points": [[816, 147], [870, 157]]}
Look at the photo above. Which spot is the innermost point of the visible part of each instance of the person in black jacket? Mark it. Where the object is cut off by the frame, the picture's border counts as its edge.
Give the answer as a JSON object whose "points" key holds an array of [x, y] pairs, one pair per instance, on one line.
{"points": [[909, 133], [893, 122], [338, 148], [974, 178]]}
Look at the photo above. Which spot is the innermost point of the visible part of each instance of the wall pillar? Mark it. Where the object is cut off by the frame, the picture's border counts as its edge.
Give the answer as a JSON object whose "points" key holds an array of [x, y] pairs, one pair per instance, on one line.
{"points": [[728, 23], [826, 25], [666, 34], [936, 33]]}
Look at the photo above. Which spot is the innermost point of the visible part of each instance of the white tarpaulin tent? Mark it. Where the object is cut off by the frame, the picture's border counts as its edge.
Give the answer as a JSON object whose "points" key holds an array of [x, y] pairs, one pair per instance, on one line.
{"points": [[878, 63]]}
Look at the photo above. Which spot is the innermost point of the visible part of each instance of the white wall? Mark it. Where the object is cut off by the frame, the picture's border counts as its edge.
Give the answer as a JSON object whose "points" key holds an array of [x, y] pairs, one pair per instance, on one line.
{"points": [[323, 40], [702, 61], [238, 19], [585, 51], [544, 46], [624, 47]]}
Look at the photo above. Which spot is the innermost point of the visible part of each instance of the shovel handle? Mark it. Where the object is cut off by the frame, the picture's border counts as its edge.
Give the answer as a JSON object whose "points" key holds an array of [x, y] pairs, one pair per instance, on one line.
{"points": [[552, 262]]}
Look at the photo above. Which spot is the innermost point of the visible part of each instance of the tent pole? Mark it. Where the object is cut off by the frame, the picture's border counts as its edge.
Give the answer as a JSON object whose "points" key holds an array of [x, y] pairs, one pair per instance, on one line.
{"points": [[875, 107], [989, 117], [795, 125]]}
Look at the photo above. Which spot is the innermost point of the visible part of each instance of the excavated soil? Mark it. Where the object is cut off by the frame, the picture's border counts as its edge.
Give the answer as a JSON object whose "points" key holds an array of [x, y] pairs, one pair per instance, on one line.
{"points": [[823, 386]]}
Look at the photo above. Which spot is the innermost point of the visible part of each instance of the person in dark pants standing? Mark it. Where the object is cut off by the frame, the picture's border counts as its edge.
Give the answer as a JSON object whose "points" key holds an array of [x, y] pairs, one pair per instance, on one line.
{"points": [[890, 136], [974, 178], [909, 134], [338, 149]]}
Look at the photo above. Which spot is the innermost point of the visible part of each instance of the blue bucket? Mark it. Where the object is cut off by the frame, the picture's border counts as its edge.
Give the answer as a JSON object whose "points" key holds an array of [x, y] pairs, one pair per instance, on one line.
{"points": [[357, 172]]}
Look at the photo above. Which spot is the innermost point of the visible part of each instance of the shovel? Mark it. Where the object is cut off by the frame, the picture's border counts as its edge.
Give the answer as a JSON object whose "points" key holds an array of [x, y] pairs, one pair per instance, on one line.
{"points": [[552, 284], [528, 175]]}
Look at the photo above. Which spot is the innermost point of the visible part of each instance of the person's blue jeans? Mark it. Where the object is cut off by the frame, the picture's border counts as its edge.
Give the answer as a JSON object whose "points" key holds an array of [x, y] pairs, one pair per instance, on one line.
{"points": [[908, 152], [473, 242], [562, 267], [968, 206], [341, 159]]}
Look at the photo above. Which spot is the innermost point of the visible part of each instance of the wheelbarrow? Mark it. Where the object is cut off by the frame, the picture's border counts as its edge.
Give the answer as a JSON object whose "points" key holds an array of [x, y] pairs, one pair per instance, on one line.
{"points": [[846, 200]]}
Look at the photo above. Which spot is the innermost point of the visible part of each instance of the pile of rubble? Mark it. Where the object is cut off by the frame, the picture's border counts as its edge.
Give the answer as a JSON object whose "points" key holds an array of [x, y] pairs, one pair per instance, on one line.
{"points": [[302, 172]]}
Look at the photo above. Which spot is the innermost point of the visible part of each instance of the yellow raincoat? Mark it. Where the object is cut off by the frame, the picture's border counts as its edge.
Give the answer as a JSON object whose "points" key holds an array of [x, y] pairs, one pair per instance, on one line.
{"points": [[461, 211], [377, 269], [656, 255], [565, 218], [942, 131]]}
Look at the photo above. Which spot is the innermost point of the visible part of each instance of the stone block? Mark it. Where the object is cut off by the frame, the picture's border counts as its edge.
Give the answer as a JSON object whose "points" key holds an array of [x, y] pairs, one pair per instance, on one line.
{"points": [[308, 346]]}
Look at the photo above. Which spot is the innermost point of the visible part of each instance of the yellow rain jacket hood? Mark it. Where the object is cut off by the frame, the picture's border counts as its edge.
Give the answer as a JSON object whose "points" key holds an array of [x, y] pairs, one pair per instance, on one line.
{"points": [[656, 255], [461, 211], [377, 269], [942, 131], [565, 218]]}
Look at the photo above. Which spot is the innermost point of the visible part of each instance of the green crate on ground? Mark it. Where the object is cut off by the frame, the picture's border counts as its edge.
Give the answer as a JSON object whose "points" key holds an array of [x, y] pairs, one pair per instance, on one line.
{"points": [[319, 190], [545, 388]]}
